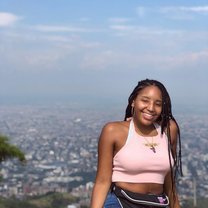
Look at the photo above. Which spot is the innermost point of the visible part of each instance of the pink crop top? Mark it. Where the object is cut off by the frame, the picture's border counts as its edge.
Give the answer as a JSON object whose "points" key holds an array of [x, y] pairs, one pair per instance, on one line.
{"points": [[135, 162]]}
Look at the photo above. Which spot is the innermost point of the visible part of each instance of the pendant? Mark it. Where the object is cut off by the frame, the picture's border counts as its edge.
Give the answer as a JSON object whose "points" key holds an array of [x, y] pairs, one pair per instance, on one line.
{"points": [[151, 146], [153, 149]]}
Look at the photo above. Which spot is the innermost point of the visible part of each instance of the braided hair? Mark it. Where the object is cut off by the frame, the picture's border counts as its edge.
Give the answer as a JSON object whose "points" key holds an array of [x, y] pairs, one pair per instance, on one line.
{"points": [[164, 120]]}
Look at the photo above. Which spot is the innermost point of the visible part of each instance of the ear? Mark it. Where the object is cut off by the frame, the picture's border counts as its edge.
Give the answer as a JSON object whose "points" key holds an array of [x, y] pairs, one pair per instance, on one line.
{"points": [[132, 105]]}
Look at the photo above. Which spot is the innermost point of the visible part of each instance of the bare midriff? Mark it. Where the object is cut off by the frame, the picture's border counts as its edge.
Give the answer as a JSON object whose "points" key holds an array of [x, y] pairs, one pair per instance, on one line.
{"points": [[143, 188]]}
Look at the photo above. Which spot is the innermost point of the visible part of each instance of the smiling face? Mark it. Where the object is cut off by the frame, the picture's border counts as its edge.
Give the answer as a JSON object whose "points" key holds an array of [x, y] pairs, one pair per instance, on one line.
{"points": [[147, 105]]}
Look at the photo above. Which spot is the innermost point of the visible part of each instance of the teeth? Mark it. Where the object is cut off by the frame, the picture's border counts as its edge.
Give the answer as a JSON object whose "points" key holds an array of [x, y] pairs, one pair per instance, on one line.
{"points": [[148, 115]]}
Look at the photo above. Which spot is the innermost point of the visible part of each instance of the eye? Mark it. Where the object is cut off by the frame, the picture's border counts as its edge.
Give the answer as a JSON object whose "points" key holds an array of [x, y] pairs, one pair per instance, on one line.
{"points": [[144, 100], [158, 104]]}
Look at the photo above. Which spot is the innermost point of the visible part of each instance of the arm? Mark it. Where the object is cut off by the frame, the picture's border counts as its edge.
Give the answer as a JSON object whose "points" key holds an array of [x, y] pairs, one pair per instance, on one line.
{"points": [[174, 202], [104, 168]]}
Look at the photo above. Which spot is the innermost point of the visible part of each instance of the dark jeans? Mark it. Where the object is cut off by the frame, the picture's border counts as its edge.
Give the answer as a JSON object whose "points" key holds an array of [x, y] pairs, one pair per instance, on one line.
{"points": [[111, 201]]}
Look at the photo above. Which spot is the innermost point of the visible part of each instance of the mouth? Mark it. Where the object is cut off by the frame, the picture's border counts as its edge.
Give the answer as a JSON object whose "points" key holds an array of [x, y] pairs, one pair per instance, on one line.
{"points": [[148, 116]]}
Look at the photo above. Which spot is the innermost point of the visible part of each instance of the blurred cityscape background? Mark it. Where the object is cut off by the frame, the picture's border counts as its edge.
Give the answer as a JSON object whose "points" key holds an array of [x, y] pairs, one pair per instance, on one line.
{"points": [[60, 143]]}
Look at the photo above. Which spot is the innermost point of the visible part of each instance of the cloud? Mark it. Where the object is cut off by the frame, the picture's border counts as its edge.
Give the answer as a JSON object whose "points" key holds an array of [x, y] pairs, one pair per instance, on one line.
{"points": [[184, 61], [173, 12], [58, 28], [119, 20], [8, 19], [199, 9], [138, 32], [182, 12], [115, 59], [120, 27]]}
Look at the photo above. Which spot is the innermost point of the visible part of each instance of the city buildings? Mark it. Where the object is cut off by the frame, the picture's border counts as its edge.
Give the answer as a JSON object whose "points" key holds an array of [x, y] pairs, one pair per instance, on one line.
{"points": [[60, 143]]}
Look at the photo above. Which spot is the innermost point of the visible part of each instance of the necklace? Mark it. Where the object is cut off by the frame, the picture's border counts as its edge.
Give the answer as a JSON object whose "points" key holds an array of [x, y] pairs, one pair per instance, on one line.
{"points": [[151, 145]]}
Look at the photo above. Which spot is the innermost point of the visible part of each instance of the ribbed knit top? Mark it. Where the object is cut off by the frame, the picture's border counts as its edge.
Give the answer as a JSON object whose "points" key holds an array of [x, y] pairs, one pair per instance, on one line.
{"points": [[135, 162]]}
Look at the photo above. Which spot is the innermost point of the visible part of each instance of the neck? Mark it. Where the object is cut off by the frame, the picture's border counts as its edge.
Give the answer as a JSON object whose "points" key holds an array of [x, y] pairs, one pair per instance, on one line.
{"points": [[144, 130]]}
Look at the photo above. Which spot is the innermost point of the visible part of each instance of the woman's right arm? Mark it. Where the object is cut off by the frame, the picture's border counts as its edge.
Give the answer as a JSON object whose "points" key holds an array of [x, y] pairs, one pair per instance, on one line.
{"points": [[104, 167]]}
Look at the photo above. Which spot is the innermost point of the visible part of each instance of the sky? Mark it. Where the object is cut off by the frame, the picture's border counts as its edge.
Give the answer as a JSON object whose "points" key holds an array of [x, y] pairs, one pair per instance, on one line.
{"points": [[96, 51]]}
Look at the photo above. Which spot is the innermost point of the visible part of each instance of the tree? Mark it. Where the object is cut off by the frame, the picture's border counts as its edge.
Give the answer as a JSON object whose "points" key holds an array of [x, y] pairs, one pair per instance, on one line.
{"points": [[8, 150]]}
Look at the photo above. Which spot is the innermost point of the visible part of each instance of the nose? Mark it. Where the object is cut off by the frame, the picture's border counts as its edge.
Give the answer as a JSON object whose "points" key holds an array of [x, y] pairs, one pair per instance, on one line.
{"points": [[150, 107]]}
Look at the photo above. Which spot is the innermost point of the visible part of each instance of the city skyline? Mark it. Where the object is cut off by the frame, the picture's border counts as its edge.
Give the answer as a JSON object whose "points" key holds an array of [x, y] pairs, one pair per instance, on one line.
{"points": [[97, 51], [61, 149]]}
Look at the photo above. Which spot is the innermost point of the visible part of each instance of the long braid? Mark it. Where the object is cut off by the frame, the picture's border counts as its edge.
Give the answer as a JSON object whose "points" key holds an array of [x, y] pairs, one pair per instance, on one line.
{"points": [[165, 124], [164, 120]]}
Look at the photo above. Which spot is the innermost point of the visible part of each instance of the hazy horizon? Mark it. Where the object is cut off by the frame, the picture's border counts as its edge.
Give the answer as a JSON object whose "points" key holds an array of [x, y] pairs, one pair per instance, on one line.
{"points": [[97, 51]]}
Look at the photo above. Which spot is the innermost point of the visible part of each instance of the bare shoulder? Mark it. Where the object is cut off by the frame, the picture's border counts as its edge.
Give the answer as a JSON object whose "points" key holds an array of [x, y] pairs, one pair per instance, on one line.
{"points": [[115, 127], [113, 136], [173, 126], [113, 130]]}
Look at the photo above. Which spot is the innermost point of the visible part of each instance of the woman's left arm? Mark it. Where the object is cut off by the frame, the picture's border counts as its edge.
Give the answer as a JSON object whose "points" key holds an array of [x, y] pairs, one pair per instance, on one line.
{"points": [[168, 185], [168, 189]]}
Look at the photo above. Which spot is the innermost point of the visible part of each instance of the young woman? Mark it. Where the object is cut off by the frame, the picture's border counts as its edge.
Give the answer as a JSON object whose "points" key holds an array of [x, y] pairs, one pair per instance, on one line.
{"points": [[138, 158]]}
